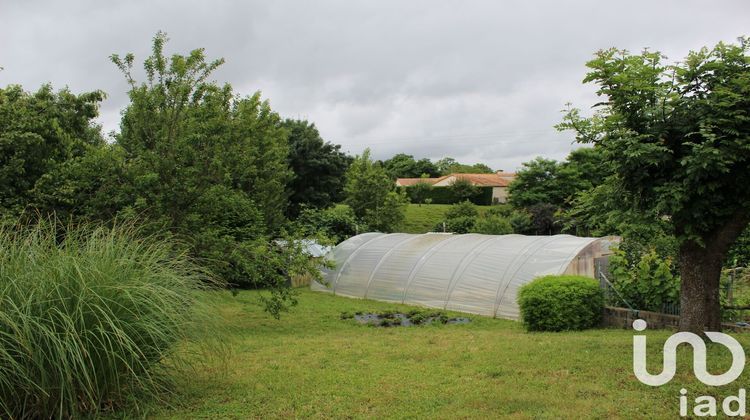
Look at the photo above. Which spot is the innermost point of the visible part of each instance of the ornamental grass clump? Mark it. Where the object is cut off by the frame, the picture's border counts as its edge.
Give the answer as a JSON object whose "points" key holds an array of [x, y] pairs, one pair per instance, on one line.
{"points": [[90, 318]]}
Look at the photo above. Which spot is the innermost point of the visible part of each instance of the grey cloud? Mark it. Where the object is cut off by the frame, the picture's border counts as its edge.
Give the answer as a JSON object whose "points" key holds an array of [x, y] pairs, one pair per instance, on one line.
{"points": [[478, 81]]}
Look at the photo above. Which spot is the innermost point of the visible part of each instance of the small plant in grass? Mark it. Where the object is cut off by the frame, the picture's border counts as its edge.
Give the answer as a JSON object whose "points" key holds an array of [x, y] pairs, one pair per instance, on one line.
{"points": [[347, 315], [89, 317], [417, 318], [561, 303]]}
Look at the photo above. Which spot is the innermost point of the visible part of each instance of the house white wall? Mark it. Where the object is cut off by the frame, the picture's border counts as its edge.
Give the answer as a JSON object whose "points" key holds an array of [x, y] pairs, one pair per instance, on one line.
{"points": [[499, 194]]}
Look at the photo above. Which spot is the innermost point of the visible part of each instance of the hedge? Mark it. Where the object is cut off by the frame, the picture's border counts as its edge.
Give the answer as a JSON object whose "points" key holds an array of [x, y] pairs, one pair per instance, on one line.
{"points": [[561, 303], [444, 195]]}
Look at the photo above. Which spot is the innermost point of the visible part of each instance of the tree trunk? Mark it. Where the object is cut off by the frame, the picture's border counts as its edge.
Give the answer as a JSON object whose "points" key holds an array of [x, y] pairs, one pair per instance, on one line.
{"points": [[700, 272]]}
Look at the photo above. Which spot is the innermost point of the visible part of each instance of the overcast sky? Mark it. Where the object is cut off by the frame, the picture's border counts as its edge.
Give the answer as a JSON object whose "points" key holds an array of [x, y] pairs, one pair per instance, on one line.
{"points": [[477, 81]]}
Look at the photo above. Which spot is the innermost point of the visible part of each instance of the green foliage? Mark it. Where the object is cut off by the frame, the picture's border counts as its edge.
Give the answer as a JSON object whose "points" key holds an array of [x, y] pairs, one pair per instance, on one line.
{"points": [[544, 219], [546, 181], [336, 223], [419, 192], [39, 132], [739, 254], [490, 224], [184, 134], [88, 320], [521, 222], [448, 165], [675, 135], [460, 218], [462, 189], [95, 186], [405, 166], [211, 166], [561, 303], [389, 216], [462, 209], [318, 167], [676, 138], [371, 195], [646, 284]]}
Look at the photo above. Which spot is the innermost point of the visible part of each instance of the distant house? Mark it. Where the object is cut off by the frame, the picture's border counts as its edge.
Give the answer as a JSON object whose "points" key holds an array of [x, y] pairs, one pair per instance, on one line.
{"points": [[499, 182]]}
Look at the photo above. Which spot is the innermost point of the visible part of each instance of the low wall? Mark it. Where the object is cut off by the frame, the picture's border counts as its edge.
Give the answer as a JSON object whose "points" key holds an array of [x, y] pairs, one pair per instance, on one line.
{"points": [[623, 318]]}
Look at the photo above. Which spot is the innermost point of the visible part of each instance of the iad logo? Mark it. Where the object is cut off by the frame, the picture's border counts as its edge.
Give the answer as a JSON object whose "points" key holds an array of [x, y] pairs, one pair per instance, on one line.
{"points": [[699, 357], [704, 405]]}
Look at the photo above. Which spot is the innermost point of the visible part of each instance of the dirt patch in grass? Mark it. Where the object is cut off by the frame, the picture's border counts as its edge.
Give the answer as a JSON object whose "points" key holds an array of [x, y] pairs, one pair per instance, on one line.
{"points": [[403, 319]]}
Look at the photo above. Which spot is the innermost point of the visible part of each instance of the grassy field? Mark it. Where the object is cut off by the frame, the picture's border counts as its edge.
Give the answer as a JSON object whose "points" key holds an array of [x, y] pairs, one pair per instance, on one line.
{"points": [[421, 219], [313, 364]]}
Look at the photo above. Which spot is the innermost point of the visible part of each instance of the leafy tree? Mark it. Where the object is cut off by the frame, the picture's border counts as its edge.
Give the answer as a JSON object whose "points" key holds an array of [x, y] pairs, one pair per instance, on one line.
{"points": [[96, 186], [462, 189], [589, 165], [318, 167], [39, 132], [521, 222], [460, 217], [189, 134], [420, 190], [544, 220], [545, 181], [449, 165], [390, 216], [336, 223], [676, 137], [370, 193], [405, 166], [210, 166]]}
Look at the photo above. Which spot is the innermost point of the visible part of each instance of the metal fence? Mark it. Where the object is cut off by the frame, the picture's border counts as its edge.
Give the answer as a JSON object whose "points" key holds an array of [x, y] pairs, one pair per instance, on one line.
{"points": [[735, 290]]}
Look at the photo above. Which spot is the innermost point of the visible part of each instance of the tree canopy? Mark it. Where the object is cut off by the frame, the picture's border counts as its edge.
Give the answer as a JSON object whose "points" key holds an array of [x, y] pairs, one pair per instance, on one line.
{"points": [[676, 137], [40, 132], [372, 194], [318, 167]]}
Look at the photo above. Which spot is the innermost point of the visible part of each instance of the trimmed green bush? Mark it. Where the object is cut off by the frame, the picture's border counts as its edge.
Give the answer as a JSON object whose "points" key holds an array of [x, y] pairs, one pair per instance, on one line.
{"points": [[90, 318], [561, 303]]}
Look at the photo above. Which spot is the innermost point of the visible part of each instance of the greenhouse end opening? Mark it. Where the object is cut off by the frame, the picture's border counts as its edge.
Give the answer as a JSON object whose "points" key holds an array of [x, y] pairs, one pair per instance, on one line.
{"points": [[473, 273]]}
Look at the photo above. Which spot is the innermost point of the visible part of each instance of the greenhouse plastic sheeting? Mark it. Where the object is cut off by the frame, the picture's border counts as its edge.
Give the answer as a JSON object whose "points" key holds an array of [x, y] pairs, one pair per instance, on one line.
{"points": [[472, 273]]}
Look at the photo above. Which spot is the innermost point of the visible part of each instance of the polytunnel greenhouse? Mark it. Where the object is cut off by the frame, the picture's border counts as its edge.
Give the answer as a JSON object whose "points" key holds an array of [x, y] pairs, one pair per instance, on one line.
{"points": [[473, 273]]}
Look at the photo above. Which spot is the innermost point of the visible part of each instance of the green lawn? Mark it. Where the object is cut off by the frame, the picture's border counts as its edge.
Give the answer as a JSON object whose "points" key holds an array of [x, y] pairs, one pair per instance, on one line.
{"points": [[313, 364], [422, 219]]}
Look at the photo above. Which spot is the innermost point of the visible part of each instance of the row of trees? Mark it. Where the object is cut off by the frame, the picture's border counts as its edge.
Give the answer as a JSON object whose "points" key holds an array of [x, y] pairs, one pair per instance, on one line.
{"points": [[406, 166]]}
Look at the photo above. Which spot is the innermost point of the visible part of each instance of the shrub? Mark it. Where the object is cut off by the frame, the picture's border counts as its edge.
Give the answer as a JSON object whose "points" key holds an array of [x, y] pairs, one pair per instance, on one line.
{"points": [[462, 189], [492, 225], [462, 209], [336, 223], [649, 283], [460, 218], [561, 303], [457, 225], [88, 320]]}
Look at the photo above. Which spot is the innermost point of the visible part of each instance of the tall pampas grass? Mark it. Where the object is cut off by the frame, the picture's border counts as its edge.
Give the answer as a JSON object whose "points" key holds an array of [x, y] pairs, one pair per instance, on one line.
{"points": [[90, 317]]}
